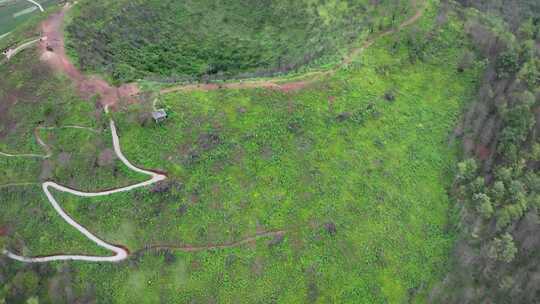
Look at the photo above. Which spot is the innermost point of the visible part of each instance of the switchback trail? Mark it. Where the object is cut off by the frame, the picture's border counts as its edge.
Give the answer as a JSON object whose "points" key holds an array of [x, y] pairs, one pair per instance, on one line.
{"points": [[120, 253], [37, 4]]}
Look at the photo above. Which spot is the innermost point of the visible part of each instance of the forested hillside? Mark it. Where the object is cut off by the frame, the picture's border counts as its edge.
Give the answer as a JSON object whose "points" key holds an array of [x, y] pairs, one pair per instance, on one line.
{"points": [[202, 40], [498, 183], [513, 12]]}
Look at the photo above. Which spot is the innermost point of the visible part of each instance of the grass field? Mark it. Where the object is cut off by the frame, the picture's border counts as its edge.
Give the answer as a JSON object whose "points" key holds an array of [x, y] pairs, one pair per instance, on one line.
{"points": [[354, 168]]}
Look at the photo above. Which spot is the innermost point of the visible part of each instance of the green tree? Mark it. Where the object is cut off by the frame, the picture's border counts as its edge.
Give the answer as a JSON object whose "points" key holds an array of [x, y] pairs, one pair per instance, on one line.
{"points": [[530, 73], [517, 191], [504, 218], [504, 174], [478, 185], [527, 30], [498, 191], [32, 300], [535, 152], [502, 248], [483, 205], [467, 170], [509, 214], [518, 121], [507, 64], [509, 250]]}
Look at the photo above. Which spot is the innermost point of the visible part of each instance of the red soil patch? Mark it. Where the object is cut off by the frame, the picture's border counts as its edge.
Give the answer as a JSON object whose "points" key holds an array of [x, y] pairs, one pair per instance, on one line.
{"points": [[482, 152], [58, 60], [3, 231]]}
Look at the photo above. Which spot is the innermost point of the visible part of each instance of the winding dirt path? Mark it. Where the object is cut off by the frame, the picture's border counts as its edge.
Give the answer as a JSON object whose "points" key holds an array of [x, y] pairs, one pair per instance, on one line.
{"points": [[120, 253], [42, 143], [5, 35]]}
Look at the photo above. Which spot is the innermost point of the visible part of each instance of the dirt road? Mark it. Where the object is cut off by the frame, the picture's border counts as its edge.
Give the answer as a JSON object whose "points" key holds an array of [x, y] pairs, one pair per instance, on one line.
{"points": [[53, 52], [40, 141], [12, 52], [120, 252], [37, 4]]}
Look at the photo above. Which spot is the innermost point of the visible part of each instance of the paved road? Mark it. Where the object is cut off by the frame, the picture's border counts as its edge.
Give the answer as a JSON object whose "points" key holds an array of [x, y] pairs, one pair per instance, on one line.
{"points": [[120, 253], [12, 52], [36, 4]]}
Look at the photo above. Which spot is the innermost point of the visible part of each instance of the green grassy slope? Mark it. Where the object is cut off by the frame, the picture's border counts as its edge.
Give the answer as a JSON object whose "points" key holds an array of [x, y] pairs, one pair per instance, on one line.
{"points": [[251, 160], [33, 96]]}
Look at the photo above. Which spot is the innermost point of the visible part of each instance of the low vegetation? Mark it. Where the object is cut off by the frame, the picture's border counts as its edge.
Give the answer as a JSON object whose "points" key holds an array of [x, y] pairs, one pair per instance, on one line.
{"points": [[37, 102]]}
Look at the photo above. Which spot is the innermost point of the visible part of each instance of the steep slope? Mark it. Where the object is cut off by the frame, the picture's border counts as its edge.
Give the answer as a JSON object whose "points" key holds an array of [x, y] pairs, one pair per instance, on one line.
{"points": [[498, 183]]}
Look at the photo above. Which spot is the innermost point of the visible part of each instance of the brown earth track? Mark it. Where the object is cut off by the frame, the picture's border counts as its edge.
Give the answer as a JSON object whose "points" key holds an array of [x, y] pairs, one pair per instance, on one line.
{"points": [[87, 86], [191, 248], [47, 148]]}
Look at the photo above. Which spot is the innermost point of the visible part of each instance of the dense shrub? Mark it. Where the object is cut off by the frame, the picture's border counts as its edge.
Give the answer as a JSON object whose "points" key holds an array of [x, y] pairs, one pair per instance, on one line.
{"points": [[208, 40]]}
